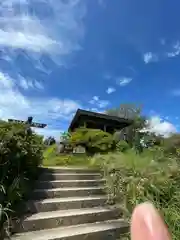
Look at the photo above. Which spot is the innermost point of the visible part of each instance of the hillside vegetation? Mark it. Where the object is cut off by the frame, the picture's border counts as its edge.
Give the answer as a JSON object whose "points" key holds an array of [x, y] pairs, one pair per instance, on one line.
{"points": [[142, 167], [152, 176], [21, 152]]}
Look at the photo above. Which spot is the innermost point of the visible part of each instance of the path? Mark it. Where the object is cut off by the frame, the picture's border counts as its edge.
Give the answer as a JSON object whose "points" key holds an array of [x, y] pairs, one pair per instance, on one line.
{"points": [[70, 204]]}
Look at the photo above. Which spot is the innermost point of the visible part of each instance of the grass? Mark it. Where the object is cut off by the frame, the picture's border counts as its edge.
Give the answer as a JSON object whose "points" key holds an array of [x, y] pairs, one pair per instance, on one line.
{"points": [[51, 158], [132, 179]]}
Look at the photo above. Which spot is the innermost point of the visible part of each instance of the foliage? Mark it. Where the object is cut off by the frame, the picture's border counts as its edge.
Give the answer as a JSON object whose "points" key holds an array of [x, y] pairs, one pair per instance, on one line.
{"points": [[65, 136], [132, 179], [151, 139], [49, 141], [50, 152], [122, 146], [172, 144], [127, 111], [20, 155], [93, 139], [132, 112], [52, 158]]}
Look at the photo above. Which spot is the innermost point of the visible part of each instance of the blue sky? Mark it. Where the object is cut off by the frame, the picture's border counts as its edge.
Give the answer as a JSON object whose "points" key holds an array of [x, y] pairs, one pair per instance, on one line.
{"points": [[57, 56]]}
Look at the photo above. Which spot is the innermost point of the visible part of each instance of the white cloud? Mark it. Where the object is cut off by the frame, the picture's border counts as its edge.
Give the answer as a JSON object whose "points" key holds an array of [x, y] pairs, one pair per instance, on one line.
{"points": [[28, 41], [110, 90], [176, 50], [123, 81], [48, 132], [6, 81], [98, 102], [13, 104], [150, 57], [158, 126], [95, 98], [103, 103], [55, 34], [27, 84], [94, 109], [38, 85]]}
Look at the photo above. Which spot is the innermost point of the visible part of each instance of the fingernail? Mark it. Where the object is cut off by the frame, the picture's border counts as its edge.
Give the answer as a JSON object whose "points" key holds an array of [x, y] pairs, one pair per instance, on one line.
{"points": [[156, 228]]}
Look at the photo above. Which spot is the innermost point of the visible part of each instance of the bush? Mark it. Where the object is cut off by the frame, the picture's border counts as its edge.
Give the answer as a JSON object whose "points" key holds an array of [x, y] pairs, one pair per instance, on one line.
{"points": [[20, 155], [52, 158], [49, 141], [122, 146], [172, 144], [132, 179], [93, 140]]}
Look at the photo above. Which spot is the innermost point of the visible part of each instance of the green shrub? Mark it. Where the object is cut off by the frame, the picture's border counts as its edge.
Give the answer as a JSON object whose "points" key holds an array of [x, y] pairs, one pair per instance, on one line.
{"points": [[52, 158], [50, 152], [122, 146], [132, 179], [20, 155], [171, 145], [93, 140]]}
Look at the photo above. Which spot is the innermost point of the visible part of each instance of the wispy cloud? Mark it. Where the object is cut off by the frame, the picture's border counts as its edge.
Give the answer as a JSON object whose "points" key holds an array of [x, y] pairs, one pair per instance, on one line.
{"points": [[123, 81], [28, 84], [175, 51], [97, 102], [6, 81], [110, 90], [16, 105], [150, 57], [55, 33]]}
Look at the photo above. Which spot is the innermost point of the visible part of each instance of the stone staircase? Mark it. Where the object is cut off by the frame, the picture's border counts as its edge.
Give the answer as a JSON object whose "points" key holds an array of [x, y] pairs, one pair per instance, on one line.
{"points": [[70, 204]]}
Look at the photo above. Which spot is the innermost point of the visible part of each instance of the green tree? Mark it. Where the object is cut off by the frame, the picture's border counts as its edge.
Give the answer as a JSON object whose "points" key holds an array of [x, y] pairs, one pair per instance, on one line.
{"points": [[134, 113], [65, 136], [93, 140]]}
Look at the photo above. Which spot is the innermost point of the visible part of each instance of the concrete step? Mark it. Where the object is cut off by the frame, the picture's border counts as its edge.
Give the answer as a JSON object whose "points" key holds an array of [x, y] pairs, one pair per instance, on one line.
{"points": [[69, 176], [107, 230], [53, 204], [69, 183], [54, 219], [67, 192], [68, 170]]}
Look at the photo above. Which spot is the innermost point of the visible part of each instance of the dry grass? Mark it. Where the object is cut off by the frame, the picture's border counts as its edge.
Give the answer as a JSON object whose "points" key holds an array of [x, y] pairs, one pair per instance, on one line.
{"points": [[132, 179]]}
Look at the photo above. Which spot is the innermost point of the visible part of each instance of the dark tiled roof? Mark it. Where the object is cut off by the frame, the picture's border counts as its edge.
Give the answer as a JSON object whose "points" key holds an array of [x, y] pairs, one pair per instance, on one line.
{"points": [[81, 112]]}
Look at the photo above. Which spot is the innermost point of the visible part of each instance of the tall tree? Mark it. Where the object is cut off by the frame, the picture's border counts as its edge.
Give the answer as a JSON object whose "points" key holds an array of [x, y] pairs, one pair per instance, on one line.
{"points": [[133, 112]]}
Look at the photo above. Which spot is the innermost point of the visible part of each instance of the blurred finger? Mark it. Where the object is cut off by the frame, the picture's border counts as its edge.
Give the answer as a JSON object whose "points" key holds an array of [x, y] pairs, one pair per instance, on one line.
{"points": [[146, 224]]}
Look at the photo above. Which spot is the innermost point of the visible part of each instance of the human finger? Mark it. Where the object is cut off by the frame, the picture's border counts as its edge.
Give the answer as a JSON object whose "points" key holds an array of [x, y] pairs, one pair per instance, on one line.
{"points": [[146, 224]]}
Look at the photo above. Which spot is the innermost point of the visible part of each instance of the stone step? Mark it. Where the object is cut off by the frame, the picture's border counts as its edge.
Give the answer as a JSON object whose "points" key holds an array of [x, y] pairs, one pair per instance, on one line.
{"points": [[69, 176], [51, 170], [107, 230], [67, 192], [53, 204], [69, 183], [54, 219]]}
